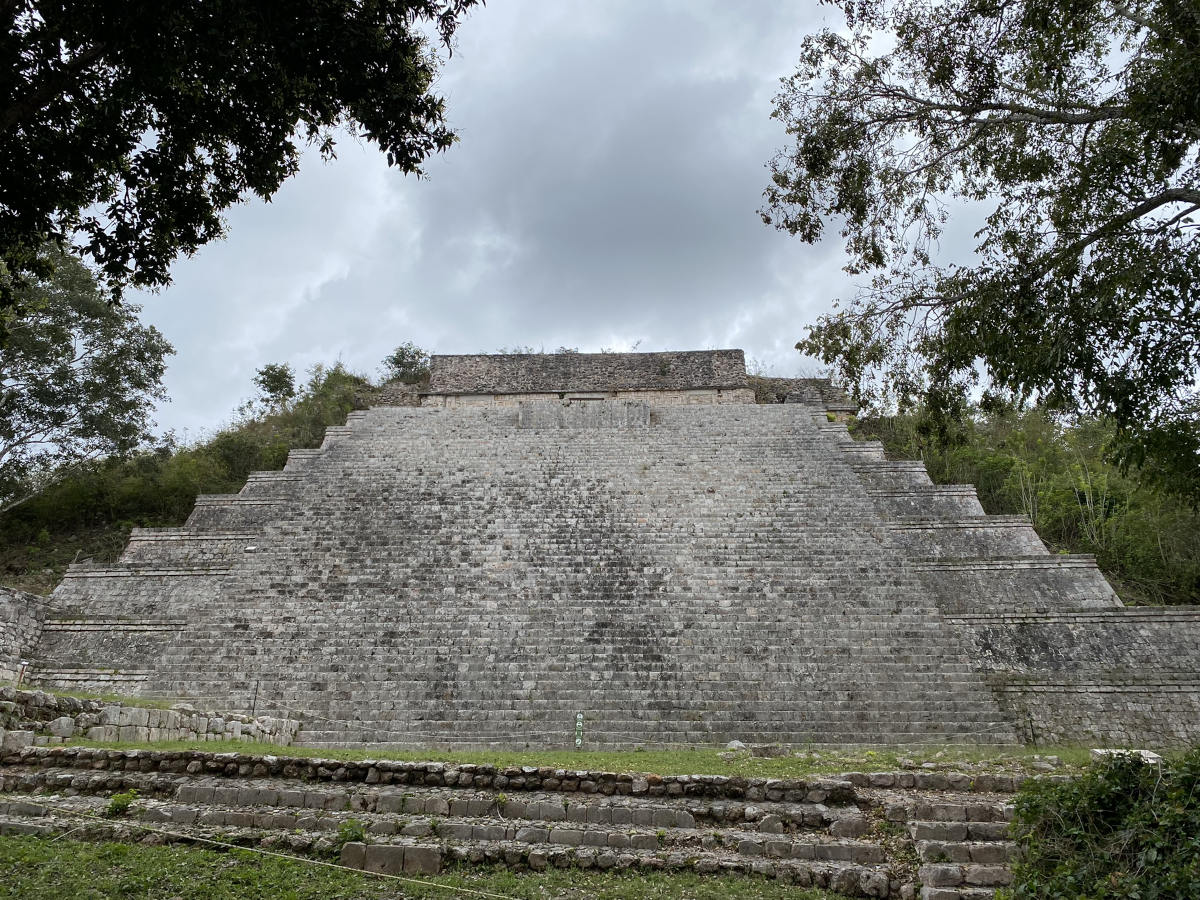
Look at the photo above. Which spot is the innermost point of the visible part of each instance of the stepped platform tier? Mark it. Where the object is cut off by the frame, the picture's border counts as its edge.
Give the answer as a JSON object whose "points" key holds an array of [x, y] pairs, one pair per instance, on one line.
{"points": [[528, 559], [903, 835]]}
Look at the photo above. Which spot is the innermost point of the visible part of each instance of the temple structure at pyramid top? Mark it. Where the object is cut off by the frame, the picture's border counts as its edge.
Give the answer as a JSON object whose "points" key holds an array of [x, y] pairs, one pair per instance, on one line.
{"points": [[608, 373], [625, 548], [699, 376]]}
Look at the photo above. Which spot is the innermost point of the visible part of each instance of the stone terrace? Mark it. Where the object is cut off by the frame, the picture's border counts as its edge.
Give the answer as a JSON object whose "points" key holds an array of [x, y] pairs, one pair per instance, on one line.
{"points": [[676, 574], [861, 834]]}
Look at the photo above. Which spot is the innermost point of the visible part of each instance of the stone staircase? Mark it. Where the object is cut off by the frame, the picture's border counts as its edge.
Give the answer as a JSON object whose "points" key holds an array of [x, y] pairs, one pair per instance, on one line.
{"points": [[676, 574], [862, 835]]}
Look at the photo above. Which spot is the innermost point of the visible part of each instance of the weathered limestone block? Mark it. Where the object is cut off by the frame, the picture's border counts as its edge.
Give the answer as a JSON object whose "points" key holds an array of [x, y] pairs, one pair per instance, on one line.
{"points": [[384, 858], [353, 855], [21, 621], [11, 741]]}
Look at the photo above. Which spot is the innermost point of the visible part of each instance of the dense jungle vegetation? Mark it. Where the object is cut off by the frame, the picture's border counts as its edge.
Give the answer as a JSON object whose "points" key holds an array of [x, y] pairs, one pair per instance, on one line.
{"points": [[1022, 462]]}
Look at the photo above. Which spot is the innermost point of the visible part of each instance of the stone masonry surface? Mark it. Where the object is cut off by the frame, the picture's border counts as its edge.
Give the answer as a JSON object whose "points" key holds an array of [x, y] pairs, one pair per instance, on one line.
{"points": [[863, 834], [21, 618], [539, 373], [38, 718], [676, 574]]}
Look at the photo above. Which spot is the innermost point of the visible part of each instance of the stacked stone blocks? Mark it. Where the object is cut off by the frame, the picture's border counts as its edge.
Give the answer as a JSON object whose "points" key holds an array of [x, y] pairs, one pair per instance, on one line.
{"points": [[676, 573], [877, 834], [38, 718]]}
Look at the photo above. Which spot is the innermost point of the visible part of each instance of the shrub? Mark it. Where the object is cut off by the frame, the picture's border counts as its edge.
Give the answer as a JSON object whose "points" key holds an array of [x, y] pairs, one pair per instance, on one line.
{"points": [[350, 831], [408, 363], [1124, 829], [119, 804]]}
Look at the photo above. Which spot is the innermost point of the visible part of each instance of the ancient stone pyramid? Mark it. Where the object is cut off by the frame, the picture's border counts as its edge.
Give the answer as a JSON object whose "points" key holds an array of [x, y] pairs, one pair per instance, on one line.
{"points": [[628, 545]]}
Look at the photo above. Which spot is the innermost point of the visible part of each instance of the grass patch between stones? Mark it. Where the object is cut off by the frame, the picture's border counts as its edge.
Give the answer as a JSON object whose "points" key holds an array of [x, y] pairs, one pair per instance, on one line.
{"points": [[1014, 760]]}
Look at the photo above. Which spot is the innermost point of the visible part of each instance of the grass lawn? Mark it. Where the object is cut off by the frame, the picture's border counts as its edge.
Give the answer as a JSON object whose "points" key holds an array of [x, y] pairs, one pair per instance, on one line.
{"points": [[72, 870], [685, 762]]}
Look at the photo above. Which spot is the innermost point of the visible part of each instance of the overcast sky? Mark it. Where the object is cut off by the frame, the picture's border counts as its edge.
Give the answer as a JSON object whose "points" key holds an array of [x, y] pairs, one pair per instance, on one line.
{"points": [[603, 195]]}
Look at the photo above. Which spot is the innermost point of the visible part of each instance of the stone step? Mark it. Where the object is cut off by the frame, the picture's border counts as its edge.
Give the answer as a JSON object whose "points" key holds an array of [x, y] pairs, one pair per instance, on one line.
{"points": [[491, 824], [957, 893], [963, 876], [561, 738], [397, 855], [452, 736], [997, 852], [818, 831], [958, 832], [962, 808], [504, 707], [445, 576]]}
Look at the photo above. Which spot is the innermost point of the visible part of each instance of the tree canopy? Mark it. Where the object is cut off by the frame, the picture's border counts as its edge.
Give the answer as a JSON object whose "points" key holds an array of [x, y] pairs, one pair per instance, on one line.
{"points": [[1075, 125], [127, 128], [407, 363], [276, 383], [78, 378]]}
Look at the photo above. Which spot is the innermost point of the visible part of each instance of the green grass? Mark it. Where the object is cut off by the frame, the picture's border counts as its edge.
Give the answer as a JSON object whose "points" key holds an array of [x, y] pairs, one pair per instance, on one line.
{"points": [[148, 702], [678, 762], [73, 870]]}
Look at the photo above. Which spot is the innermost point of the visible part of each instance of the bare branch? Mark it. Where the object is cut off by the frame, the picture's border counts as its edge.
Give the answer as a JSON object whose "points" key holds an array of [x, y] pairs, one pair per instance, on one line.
{"points": [[1115, 224], [56, 476], [1137, 18], [1017, 112]]}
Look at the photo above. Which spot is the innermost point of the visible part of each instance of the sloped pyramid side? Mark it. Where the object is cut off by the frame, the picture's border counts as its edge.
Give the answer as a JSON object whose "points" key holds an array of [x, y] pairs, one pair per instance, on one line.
{"points": [[1066, 660], [691, 575]]}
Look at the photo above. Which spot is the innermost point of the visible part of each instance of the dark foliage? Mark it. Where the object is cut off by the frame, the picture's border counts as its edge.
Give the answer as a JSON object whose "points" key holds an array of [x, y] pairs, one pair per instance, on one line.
{"points": [[78, 378], [276, 383], [408, 363], [1076, 125], [128, 127], [1124, 829]]}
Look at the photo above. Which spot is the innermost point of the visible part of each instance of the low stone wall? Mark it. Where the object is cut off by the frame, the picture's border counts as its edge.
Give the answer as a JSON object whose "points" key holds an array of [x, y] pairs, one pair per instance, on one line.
{"points": [[33, 718], [21, 618], [830, 789], [815, 391], [860, 834], [395, 393], [525, 373]]}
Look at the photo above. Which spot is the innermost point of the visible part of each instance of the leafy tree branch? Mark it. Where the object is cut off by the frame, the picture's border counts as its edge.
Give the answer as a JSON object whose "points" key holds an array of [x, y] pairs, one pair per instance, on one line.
{"points": [[1078, 123], [127, 129], [78, 378]]}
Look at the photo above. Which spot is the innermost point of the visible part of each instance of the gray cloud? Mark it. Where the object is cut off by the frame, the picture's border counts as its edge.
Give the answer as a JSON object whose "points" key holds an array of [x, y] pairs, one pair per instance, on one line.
{"points": [[603, 193]]}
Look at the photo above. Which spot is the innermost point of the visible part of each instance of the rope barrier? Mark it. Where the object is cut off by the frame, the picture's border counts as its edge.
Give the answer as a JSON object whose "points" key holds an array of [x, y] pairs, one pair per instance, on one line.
{"points": [[225, 845]]}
